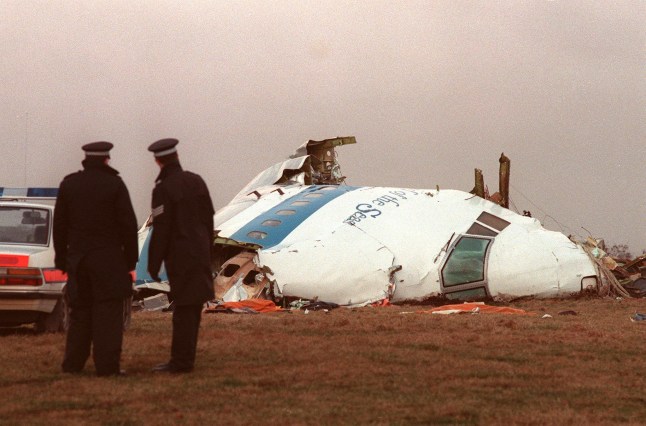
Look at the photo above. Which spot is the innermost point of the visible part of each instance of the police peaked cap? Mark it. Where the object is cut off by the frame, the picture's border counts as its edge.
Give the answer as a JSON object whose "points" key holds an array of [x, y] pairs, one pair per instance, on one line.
{"points": [[163, 147], [97, 149]]}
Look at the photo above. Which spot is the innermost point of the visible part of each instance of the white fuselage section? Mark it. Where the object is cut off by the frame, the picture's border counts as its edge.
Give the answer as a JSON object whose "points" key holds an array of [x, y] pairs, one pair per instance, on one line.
{"points": [[357, 245]]}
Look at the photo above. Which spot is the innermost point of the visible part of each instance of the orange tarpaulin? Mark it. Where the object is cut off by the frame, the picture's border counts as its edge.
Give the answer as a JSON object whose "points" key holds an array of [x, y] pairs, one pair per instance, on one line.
{"points": [[476, 308], [258, 305]]}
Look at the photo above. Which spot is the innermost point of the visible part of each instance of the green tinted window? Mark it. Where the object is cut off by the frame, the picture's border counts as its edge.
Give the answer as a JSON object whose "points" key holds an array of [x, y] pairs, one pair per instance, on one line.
{"points": [[478, 293], [466, 263]]}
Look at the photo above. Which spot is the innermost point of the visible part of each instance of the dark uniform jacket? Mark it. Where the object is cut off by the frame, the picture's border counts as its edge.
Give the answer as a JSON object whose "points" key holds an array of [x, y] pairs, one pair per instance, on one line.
{"points": [[182, 234], [94, 222]]}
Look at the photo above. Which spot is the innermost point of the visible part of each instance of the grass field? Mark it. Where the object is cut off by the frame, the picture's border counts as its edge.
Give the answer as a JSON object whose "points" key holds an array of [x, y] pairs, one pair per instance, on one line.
{"points": [[388, 365]]}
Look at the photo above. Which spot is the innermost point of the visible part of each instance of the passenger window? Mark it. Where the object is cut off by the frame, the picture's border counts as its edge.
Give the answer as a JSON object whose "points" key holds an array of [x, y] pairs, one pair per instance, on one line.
{"points": [[300, 203], [466, 262], [313, 195], [271, 222], [286, 212], [257, 235], [230, 270], [250, 278]]}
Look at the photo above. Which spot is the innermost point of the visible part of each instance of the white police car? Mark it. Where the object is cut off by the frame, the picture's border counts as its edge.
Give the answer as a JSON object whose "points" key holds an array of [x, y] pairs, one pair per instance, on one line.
{"points": [[31, 288]]}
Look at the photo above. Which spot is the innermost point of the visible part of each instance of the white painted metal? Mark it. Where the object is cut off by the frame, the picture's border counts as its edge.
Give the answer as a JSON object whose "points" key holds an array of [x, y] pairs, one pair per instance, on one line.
{"points": [[344, 251]]}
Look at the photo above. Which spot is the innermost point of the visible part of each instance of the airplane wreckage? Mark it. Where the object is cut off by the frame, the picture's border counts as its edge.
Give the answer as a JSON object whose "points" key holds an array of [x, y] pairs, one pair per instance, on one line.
{"points": [[297, 231]]}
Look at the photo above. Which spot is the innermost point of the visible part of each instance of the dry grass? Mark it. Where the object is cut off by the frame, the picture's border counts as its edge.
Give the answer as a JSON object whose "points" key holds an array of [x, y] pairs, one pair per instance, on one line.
{"points": [[351, 366]]}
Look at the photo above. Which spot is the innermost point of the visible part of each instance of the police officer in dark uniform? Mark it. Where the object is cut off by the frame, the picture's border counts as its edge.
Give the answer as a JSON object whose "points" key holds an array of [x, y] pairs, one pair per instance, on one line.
{"points": [[95, 239], [182, 238]]}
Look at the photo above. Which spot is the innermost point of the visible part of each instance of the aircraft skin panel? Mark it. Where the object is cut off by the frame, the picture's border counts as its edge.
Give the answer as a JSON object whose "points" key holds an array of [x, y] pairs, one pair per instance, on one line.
{"points": [[272, 175], [418, 220], [573, 265], [231, 210], [526, 262], [518, 268], [141, 272], [250, 211], [273, 235], [341, 249], [314, 269], [411, 225]]}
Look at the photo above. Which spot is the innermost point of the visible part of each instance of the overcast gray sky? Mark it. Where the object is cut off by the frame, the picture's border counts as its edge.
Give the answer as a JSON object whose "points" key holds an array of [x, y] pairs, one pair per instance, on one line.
{"points": [[430, 89]]}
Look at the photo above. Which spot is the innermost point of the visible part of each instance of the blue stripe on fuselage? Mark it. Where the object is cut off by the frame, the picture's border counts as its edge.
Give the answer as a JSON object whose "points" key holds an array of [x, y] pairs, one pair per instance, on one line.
{"points": [[141, 269], [304, 204]]}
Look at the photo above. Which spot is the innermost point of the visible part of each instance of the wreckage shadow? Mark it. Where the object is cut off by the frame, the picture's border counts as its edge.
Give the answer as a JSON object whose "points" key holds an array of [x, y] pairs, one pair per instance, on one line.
{"points": [[18, 331]]}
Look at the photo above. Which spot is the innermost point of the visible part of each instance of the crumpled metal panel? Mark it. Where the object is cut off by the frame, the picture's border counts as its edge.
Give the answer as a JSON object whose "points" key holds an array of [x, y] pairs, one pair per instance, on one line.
{"points": [[273, 174], [240, 279], [311, 269], [311, 145], [530, 260]]}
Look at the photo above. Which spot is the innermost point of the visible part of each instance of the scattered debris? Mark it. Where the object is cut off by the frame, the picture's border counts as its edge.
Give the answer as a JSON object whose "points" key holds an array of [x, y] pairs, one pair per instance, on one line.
{"points": [[249, 306], [638, 317], [475, 308], [636, 288], [617, 279], [157, 302], [318, 306]]}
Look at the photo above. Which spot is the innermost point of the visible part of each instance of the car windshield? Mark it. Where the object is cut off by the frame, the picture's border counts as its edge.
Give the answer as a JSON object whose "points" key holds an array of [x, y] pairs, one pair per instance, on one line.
{"points": [[24, 225]]}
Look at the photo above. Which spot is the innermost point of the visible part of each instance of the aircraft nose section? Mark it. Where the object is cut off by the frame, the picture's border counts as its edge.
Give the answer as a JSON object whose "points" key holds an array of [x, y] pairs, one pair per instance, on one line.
{"points": [[538, 262]]}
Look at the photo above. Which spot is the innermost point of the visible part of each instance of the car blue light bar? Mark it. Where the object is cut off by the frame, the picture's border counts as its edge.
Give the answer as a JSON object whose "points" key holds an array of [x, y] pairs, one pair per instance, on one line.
{"points": [[43, 193]]}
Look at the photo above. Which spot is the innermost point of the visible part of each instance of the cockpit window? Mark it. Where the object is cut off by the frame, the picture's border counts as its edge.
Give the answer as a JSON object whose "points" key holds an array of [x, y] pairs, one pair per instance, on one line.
{"points": [[478, 293], [494, 221], [477, 229], [466, 262], [24, 225]]}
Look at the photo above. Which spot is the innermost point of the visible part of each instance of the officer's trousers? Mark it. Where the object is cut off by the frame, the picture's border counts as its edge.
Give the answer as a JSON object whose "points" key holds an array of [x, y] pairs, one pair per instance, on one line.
{"points": [[186, 325], [97, 324]]}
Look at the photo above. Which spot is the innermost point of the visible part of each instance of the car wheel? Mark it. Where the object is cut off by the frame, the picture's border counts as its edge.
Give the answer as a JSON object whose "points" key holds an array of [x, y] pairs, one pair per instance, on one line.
{"points": [[56, 321]]}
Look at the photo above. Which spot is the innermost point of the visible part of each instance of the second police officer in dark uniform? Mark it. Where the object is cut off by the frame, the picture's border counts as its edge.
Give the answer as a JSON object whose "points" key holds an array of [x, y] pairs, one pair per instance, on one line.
{"points": [[182, 238], [95, 240]]}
